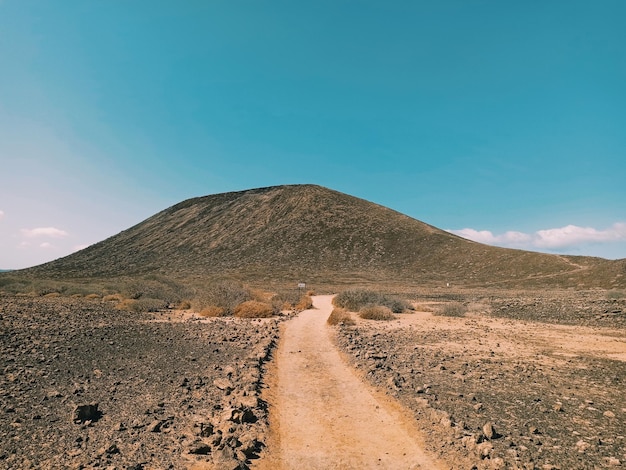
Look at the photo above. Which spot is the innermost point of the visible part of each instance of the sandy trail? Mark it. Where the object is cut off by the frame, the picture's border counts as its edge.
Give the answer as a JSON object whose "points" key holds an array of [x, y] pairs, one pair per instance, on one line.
{"points": [[324, 416]]}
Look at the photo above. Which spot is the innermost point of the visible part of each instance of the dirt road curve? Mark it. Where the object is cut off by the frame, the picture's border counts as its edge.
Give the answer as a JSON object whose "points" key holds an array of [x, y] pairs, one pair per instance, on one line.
{"points": [[325, 417]]}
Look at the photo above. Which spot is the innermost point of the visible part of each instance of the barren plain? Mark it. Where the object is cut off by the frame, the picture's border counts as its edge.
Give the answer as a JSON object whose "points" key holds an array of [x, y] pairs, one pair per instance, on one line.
{"points": [[523, 380]]}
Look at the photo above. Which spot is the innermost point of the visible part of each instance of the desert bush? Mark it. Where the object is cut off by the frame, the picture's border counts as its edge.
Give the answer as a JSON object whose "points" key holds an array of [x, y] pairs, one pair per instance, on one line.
{"points": [[112, 298], [253, 309], [53, 294], [184, 305], [304, 303], [213, 311], [92, 296], [356, 299], [153, 287], [225, 294], [376, 312], [340, 316], [451, 309], [291, 299]]}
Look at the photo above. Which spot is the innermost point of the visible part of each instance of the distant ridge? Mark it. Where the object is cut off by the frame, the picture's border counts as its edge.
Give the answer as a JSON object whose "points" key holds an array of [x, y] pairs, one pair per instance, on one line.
{"points": [[284, 233]]}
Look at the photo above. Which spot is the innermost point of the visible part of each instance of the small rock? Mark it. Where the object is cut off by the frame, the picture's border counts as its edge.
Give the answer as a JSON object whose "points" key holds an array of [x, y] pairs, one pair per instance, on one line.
{"points": [[484, 450], [582, 446], [608, 414], [155, 426], [224, 384], [199, 448], [84, 413], [489, 431]]}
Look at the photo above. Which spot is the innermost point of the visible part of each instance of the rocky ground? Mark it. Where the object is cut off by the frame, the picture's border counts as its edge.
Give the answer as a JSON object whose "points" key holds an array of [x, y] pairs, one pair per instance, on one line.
{"points": [[500, 388], [83, 385]]}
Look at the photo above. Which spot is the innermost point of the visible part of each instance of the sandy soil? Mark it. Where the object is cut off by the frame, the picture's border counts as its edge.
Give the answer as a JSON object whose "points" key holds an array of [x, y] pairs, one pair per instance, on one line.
{"points": [[323, 416], [554, 393]]}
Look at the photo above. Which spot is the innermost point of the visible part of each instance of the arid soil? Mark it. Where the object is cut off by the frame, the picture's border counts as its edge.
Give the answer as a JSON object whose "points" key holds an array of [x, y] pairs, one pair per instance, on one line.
{"points": [[324, 416], [506, 392], [529, 381], [169, 393]]}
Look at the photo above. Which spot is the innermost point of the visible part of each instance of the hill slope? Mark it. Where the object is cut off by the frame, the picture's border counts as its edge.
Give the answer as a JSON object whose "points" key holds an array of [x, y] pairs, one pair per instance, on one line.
{"points": [[286, 233]]}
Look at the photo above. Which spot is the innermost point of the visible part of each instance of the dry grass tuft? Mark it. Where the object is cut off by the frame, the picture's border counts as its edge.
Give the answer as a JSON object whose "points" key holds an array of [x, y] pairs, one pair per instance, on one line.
{"points": [[184, 305], [451, 309], [340, 316], [112, 298], [254, 309], [213, 311], [377, 312], [356, 299], [304, 303], [92, 296]]}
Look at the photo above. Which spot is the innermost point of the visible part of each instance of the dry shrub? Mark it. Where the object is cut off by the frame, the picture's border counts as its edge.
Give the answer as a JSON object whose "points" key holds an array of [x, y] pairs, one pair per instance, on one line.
{"points": [[112, 298], [424, 308], [451, 309], [356, 299], [52, 294], [92, 296], [184, 305], [478, 308], [340, 316], [310, 293], [304, 303], [212, 311], [377, 312], [254, 309], [224, 294]]}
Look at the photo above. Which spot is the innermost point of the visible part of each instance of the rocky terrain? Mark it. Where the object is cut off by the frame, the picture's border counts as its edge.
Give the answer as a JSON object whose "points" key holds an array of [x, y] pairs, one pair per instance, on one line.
{"points": [[83, 385], [508, 392]]}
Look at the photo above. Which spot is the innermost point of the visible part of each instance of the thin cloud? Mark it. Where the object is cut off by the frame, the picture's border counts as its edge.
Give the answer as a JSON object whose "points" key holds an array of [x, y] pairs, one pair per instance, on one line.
{"points": [[551, 239], [1, 214], [80, 247], [44, 232], [45, 245], [572, 235]]}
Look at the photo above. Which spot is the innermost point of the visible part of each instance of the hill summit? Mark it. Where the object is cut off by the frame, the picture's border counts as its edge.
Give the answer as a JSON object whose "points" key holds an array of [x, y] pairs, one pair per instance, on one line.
{"points": [[307, 232]]}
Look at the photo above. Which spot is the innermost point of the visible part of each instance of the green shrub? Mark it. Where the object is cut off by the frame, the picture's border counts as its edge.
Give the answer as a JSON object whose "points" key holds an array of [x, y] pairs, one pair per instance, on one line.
{"points": [[376, 312]]}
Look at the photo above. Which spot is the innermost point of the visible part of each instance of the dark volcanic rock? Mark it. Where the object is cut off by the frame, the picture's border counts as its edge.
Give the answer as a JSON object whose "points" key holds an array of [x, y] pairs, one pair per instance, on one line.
{"points": [[83, 385]]}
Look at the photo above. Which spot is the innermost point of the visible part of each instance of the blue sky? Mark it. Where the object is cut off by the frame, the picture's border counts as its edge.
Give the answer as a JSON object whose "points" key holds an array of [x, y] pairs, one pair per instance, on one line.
{"points": [[501, 121]]}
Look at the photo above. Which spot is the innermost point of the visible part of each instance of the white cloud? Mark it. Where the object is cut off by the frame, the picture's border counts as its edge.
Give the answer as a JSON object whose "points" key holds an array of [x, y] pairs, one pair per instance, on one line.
{"points": [[46, 245], [570, 236], [573, 235], [44, 232]]}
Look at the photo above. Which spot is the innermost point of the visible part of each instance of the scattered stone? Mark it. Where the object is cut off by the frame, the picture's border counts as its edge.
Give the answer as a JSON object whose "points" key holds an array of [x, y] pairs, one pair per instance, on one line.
{"points": [[84, 413], [489, 431]]}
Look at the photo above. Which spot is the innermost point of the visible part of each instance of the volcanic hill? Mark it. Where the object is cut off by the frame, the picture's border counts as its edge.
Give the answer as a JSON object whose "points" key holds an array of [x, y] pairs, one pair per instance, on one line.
{"points": [[283, 234]]}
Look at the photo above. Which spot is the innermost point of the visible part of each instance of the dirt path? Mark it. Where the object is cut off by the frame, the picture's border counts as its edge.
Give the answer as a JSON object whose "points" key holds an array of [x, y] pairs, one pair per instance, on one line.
{"points": [[324, 416]]}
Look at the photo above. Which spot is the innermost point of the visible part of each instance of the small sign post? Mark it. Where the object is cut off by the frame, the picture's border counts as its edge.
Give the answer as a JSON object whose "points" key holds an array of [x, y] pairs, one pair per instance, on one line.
{"points": [[301, 285]]}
